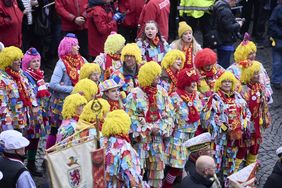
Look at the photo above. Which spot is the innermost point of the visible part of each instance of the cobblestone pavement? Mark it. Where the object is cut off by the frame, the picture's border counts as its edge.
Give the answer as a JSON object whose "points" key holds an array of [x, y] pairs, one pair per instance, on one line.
{"points": [[272, 136]]}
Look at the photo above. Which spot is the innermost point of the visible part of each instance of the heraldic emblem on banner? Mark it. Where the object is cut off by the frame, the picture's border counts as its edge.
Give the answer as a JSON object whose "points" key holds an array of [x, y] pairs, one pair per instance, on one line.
{"points": [[74, 174]]}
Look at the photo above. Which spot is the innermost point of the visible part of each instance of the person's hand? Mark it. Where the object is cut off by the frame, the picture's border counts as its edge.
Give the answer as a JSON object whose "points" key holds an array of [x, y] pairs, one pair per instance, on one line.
{"points": [[79, 20], [34, 3], [26, 11]]}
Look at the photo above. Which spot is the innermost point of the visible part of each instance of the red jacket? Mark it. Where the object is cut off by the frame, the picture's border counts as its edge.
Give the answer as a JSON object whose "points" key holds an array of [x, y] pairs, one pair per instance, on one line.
{"points": [[157, 10], [132, 9], [69, 10], [10, 24], [100, 25]]}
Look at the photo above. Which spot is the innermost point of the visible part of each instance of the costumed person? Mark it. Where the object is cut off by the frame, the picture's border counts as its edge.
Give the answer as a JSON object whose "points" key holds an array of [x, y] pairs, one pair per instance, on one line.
{"points": [[64, 77], [132, 60], [87, 88], [153, 46], [90, 117], [109, 61], [13, 171], [8, 96], [25, 112], [226, 116], [123, 168], [110, 92], [72, 108], [91, 71], [40, 122], [187, 105], [101, 22], [171, 64], [151, 113], [254, 93], [186, 43], [244, 54], [208, 69]]}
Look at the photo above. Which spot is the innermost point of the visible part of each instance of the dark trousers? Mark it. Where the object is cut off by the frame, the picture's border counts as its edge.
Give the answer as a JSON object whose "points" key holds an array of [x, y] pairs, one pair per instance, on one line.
{"points": [[128, 33], [223, 57], [82, 37], [204, 23], [173, 21]]}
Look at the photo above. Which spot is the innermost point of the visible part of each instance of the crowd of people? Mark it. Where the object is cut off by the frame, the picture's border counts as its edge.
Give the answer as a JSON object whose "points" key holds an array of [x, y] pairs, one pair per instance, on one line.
{"points": [[168, 108]]}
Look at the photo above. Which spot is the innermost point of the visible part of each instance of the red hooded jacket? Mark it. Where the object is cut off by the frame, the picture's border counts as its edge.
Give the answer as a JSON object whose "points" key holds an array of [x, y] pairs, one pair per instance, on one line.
{"points": [[10, 24], [100, 24], [157, 10], [132, 9], [69, 10]]}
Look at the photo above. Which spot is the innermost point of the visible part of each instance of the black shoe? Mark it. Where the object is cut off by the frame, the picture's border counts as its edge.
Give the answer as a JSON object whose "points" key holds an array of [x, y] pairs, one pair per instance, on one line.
{"points": [[33, 169]]}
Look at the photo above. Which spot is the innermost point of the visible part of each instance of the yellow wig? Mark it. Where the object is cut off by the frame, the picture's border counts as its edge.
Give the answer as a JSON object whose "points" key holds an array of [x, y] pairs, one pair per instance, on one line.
{"points": [[248, 73], [9, 55], [86, 88], [117, 122], [90, 115], [227, 75], [70, 105], [87, 69], [148, 73], [243, 50], [114, 43], [132, 49], [171, 57]]}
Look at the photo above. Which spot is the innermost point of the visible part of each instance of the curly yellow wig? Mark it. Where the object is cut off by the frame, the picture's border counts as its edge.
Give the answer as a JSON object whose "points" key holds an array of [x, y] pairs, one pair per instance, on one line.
{"points": [[87, 69], [70, 105], [86, 88], [171, 57], [248, 73], [148, 73], [132, 49], [117, 122], [227, 75], [114, 43], [90, 115], [243, 50], [9, 55]]}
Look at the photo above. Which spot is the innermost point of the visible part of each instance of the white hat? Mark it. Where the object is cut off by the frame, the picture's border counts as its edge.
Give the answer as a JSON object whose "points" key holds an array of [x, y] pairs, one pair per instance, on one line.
{"points": [[12, 139], [199, 140], [279, 151]]}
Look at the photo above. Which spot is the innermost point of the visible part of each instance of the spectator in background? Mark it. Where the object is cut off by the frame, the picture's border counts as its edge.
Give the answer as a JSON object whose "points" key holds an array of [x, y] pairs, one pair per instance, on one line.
{"points": [[100, 24], [10, 23], [131, 9], [275, 178], [227, 27], [73, 16], [157, 10], [201, 177], [13, 171], [275, 31]]}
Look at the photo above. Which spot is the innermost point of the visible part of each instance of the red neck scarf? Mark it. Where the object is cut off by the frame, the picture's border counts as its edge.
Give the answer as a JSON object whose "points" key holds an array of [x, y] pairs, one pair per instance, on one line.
{"points": [[189, 99], [156, 41], [189, 56], [255, 103], [73, 64], [38, 76], [173, 77], [109, 64], [115, 105], [152, 114], [24, 95], [234, 113]]}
